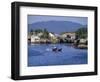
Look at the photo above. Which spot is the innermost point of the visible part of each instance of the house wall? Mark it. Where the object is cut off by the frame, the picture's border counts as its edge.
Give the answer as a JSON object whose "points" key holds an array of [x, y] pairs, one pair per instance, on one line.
{"points": [[72, 35]]}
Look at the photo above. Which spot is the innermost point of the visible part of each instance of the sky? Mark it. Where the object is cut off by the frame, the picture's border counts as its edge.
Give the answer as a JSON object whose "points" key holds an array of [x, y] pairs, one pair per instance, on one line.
{"points": [[41, 18]]}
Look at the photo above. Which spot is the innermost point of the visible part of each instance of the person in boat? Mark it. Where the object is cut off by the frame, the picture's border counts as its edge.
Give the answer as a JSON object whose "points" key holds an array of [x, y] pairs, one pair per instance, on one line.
{"points": [[56, 49], [60, 49]]}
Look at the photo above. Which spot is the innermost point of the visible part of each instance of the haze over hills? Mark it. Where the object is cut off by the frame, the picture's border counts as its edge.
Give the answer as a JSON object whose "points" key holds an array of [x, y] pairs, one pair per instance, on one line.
{"points": [[56, 26]]}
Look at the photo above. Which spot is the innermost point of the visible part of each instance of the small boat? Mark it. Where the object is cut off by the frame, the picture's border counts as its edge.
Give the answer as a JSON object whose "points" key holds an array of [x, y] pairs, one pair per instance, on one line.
{"points": [[56, 49], [60, 49]]}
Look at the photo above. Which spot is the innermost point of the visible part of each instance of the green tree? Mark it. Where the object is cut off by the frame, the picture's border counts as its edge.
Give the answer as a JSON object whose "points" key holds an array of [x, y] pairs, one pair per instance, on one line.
{"points": [[81, 33], [31, 31], [45, 34], [38, 31]]}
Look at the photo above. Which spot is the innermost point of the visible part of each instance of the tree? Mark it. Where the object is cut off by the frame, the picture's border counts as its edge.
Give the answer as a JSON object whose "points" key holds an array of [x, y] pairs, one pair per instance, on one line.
{"points": [[45, 34], [38, 31], [31, 31], [81, 32]]}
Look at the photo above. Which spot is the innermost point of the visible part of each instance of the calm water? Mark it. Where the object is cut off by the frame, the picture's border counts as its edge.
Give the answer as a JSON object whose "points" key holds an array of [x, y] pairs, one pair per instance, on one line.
{"points": [[42, 55]]}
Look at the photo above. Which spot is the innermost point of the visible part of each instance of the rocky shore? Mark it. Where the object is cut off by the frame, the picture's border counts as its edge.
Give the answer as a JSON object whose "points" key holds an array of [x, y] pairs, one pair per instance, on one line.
{"points": [[78, 39]]}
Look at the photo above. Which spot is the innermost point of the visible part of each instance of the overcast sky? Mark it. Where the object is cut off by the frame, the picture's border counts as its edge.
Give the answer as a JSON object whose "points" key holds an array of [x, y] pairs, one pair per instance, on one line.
{"points": [[41, 18]]}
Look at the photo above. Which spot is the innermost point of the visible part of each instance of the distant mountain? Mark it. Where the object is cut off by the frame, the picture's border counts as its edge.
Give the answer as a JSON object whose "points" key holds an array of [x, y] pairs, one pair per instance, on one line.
{"points": [[56, 26]]}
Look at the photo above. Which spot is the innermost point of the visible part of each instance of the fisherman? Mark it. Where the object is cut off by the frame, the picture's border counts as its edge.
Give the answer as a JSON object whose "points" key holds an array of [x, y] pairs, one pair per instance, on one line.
{"points": [[56, 49]]}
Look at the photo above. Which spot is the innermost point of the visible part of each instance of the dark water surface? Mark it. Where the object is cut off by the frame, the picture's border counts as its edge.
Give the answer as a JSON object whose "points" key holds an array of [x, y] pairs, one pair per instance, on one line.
{"points": [[42, 55]]}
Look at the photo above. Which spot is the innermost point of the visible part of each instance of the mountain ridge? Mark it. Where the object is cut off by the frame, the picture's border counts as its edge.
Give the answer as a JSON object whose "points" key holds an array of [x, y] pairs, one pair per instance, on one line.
{"points": [[52, 26]]}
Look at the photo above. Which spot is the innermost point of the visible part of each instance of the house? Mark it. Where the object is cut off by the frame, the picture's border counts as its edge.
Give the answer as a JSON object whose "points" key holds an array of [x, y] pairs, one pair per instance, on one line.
{"points": [[51, 35], [53, 38], [40, 34], [83, 41], [35, 39], [69, 35]]}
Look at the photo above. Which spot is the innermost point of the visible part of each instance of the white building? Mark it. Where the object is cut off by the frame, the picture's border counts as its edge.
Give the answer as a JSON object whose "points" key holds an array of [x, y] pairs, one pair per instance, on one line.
{"points": [[39, 34], [51, 35], [35, 38], [83, 40], [70, 35]]}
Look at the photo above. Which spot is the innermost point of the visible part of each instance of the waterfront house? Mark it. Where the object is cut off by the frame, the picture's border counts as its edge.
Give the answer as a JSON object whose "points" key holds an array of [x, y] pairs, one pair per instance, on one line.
{"points": [[83, 41], [53, 38], [69, 35], [40, 34], [51, 35], [35, 39]]}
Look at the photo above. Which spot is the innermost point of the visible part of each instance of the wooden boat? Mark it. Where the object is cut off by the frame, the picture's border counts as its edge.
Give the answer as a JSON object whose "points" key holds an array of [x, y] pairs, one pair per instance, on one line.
{"points": [[56, 49], [60, 49]]}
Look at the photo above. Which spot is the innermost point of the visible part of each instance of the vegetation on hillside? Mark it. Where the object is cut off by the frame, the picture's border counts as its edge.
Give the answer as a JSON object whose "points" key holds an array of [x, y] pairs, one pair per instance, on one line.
{"points": [[45, 33], [81, 33]]}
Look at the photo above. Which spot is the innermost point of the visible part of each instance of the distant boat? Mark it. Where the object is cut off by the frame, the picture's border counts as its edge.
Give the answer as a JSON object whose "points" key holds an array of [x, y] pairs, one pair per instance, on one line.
{"points": [[56, 49], [60, 49]]}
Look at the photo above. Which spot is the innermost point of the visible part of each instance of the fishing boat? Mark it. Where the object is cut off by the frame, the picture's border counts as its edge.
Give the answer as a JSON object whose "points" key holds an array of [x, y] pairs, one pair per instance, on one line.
{"points": [[56, 49]]}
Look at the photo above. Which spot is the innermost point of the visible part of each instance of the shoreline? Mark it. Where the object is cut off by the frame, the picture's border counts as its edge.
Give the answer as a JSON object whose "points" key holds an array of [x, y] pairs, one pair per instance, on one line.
{"points": [[79, 46]]}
